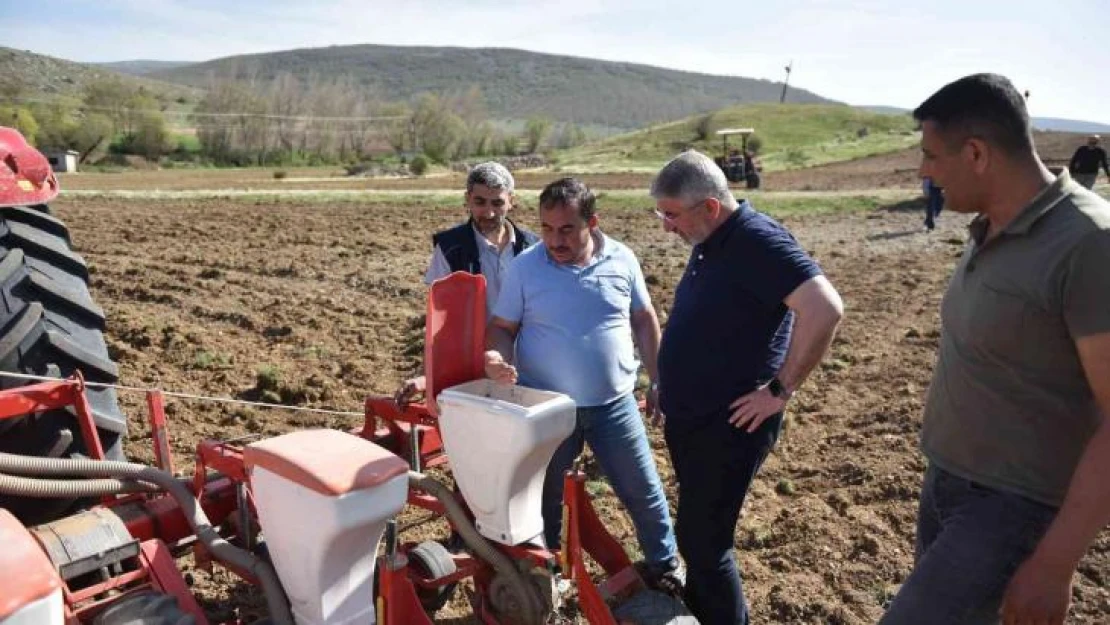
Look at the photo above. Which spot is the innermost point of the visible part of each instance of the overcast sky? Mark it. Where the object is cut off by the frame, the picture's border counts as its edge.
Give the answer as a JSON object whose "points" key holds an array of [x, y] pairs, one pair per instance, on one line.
{"points": [[855, 51]]}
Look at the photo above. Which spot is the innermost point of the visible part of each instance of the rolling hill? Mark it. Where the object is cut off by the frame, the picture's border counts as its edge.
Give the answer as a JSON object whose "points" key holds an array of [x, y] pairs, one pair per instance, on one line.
{"points": [[516, 83], [142, 67], [45, 77]]}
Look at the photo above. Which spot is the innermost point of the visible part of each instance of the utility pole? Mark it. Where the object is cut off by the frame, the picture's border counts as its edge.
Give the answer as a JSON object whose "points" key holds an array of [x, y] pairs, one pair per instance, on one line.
{"points": [[789, 68]]}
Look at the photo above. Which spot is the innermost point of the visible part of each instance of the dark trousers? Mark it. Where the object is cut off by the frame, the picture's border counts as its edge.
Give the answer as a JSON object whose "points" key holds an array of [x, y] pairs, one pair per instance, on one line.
{"points": [[934, 203], [715, 464], [970, 541]]}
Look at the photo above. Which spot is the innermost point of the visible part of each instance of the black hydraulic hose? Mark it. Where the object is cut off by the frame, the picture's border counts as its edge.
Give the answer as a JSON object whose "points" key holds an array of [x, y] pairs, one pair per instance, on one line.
{"points": [[276, 600], [534, 610]]}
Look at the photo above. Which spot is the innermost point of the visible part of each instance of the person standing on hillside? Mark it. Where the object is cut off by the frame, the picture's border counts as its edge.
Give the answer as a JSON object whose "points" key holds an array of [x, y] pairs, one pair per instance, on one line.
{"points": [[1086, 161], [1015, 428], [752, 316]]}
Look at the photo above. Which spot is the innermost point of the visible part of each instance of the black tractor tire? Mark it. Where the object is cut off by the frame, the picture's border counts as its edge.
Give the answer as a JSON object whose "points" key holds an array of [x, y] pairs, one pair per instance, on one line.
{"points": [[49, 326], [432, 560], [145, 608]]}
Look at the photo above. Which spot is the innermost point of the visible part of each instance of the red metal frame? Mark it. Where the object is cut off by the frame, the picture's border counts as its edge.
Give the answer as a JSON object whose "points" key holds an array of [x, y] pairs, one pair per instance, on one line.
{"points": [[45, 396], [157, 521], [153, 520], [156, 570], [391, 426], [584, 536], [159, 433]]}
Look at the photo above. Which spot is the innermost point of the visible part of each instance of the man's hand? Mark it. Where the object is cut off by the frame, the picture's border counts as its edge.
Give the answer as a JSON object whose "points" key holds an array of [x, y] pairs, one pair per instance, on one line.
{"points": [[752, 410], [498, 370], [1038, 594], [409, 390], [652, 412]]}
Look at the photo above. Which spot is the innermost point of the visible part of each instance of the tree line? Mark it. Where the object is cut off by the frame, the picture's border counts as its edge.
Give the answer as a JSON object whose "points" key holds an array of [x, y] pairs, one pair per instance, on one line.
{"points": [[277, 121]]}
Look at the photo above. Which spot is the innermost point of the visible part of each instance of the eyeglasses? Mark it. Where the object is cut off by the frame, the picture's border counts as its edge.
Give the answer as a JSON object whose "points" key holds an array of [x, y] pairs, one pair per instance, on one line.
{"points": [[671, 220]]}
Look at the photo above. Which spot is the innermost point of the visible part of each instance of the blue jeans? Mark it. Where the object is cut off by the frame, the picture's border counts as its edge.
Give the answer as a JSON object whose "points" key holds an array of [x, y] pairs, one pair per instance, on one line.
{"points": [[970, 541], [617, 436], [715, 464]]}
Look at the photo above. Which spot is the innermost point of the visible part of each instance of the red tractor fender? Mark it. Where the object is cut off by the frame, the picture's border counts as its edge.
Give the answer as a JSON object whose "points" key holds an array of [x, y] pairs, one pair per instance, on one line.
{"points": [[29, 575], [25, 174]]}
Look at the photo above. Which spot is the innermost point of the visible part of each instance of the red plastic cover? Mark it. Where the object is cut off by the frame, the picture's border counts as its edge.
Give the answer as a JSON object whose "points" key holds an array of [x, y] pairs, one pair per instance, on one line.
{"points": [[25, 174], [454, 333]]}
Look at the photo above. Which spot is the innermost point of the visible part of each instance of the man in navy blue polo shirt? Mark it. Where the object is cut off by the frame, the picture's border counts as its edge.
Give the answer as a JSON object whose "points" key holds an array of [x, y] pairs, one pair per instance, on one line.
{"points": [[567, 318], [752, 316]]}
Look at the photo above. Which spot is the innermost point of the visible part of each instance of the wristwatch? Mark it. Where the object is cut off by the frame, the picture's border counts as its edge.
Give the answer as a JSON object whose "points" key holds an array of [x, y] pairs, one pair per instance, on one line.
{"points": [[777, 389]]}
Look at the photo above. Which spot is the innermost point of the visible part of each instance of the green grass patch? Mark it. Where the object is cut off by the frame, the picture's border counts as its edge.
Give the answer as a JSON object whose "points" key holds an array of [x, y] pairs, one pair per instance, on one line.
{"points": [[792, 136], [210, 360], [186, 143], [775, 203]]}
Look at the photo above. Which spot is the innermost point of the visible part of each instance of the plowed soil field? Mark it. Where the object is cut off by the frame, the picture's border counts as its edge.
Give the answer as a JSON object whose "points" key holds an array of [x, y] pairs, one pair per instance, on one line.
{"points": [[319, 303]]}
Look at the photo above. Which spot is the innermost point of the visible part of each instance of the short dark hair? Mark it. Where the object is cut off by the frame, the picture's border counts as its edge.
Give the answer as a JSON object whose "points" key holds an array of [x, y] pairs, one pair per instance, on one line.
{"points": [[984, 106], [569, 192]]}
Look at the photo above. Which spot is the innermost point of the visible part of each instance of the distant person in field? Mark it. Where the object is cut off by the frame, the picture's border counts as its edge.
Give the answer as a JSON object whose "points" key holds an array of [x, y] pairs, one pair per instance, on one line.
{"points": [[934, 201], [1086, 161], [483, 245], [752, 316], [1015, 429]]}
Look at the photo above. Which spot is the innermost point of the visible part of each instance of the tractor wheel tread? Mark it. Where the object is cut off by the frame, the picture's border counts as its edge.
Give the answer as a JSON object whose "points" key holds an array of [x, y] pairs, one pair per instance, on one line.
{"points": [[51, 249], [50, 326], [38, 219]]}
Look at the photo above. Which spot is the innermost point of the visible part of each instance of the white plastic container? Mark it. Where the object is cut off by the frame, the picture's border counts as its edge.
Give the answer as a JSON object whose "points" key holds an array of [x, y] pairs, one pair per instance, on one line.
{"points": [[323, 500], [500, 439]]}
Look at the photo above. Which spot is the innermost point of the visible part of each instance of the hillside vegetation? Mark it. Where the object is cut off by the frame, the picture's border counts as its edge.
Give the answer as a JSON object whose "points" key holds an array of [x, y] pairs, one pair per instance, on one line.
{"points": [[516, 84], [791, 136], [26, 75]]}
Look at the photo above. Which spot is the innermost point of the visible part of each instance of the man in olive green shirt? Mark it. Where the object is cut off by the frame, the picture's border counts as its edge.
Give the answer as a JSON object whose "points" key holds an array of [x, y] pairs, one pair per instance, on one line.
{"points": [[1014, 428]]}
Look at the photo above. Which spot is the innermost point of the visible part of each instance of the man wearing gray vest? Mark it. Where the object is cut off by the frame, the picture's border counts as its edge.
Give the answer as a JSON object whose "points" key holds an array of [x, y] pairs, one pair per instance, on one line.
{"points": [[1015, 428], [483, 245]]}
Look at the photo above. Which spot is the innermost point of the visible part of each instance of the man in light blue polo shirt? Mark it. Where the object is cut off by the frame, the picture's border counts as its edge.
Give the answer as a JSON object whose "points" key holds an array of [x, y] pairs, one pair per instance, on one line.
{"points": [[568, 319]]}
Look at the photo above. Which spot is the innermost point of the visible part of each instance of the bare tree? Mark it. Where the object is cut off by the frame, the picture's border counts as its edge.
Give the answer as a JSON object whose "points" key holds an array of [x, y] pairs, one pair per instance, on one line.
{"points": [[438, 130], [398, 132], [286, 101], [536, 130]]}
